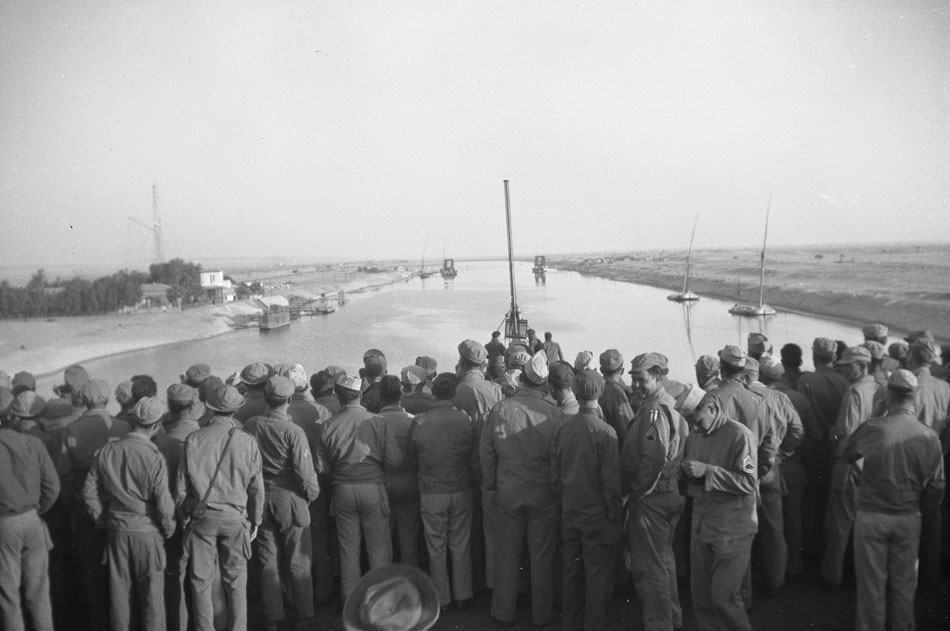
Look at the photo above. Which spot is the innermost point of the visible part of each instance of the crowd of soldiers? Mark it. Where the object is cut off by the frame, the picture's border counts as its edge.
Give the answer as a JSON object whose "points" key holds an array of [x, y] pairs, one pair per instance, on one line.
{"points": [[517, 472]]}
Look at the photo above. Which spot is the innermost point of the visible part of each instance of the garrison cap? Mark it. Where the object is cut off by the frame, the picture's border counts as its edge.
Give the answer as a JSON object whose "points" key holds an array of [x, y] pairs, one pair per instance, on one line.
{"points": [[588, 385], [611, 360], [757, 343], [874, 331], [427, 364], [392, 598], [23, 380], [148, 411], [824, 347], [514, 347], [181, 393], [875, 348], [855, 354], [279, 387], [519, 358], [688, 400], [298, 376], [560, 375], [27, 404], [916, 335], [255, 374], [708, 363], [413, 375], [646, 361], [350, 383], [94, 391], [733, 355], [771, 367], [903, 380], [584, 361], [224, 398], [472, 351], [196, 374], [536, 370], [123, 393]]}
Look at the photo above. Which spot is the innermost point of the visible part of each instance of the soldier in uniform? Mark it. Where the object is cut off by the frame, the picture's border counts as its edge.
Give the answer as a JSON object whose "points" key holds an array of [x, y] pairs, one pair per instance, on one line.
{"points": [[224, 510], [414, 400], [561, 382], [126, 492], [650, 463], [252, 379], [374, 369], [878, 333], [615, 402], [707, 372]]}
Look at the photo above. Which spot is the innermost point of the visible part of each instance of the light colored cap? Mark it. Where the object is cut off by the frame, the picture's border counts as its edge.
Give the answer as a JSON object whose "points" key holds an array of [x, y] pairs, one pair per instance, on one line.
{"points": [[27, 404], [473, 352], [148, 411], [771, 367], [688, 400], [279, 387], [855, 354], [536, 370], [123, 392], [298, 376], [225, 399], [875, 348], [733, 355], [181, 393], [751, 366], [413, 375], [903, 380], [824, 347], [611, 360], [874, 331], [708, 363], [350, 383], [646, 361], [584, 361], [255, 374], [518, 358]]}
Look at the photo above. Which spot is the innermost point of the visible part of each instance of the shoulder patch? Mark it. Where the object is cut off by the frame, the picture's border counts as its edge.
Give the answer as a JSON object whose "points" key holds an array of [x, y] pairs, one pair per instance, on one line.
{"points": [[747, 464]]}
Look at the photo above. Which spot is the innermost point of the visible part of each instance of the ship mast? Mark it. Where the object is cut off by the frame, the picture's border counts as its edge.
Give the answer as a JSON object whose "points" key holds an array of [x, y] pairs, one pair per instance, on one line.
{"points": [[762, 267], [513, 320]]}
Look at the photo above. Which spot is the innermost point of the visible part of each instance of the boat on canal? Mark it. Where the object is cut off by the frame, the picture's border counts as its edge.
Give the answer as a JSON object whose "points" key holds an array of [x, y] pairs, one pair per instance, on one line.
{"points": [[750, 310], [686, 295], [540, 266], [448, 269], [275, 314]]}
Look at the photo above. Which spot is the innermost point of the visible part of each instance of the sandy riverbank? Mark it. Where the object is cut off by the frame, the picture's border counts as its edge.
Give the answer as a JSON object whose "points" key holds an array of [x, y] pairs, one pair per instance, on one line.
{"points": [[905, 287]]}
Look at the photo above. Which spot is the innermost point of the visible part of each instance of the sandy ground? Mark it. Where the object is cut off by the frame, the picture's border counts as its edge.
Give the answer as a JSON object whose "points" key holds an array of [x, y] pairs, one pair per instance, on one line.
{"points": [[906, 287]]}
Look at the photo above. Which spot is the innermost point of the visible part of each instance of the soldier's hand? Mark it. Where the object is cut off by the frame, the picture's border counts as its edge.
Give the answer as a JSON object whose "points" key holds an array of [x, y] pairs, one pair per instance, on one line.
{"points": [[693, 469], [253, 533]]}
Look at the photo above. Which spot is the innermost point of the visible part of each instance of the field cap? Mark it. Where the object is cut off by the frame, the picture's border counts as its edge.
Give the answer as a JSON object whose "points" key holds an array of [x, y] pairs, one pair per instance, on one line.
{"points": [[855, 354], [874, 331], [903, 380], [875, 348], [611, 360], [413, 375], [916, 335], [209, 384], [688, 400], [148, 411], [225, 399], [74, 376], [350, 383], [924, 350], [94, 391], [514, 347], [646, 361], [123, 393], [392, 598], [298, 376], [427, 364], [255, 374], [733, 355], [771, 368], [757, 343], [536, 369], [519, 359], [708, 363], [27, 404], [823, 347], [588, 385], [196, 374], [23, 380], [472, 351], [181, 393], [560, 375], [584, 361], [751, 366], [279, 387]]}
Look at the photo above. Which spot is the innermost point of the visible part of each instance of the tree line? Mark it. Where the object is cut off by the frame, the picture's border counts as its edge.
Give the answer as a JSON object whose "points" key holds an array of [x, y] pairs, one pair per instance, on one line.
{"points": [[42, 297]]}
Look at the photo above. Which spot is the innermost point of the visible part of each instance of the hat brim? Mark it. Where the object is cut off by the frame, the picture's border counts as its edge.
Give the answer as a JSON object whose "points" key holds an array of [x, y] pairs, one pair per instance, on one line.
{"points": [[427, 592]]}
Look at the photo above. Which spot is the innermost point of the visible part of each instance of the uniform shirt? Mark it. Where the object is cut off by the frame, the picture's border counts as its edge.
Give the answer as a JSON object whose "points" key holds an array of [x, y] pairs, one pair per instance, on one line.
{"points": [[417, 402], [933, 400], [80, 441], [509, 382], [442, 442], [28, 478], [127, 487], [654, 447], [570, 405], [824, 389], [585, 471], [864, 399], [33, 429], [903, 465], [724, 498], [371, 398], [811, 429], [254, 405], [355, 446], [330, 402], [741, 404], [515, 445], [308, 416], [476, 396], [170, 445], [616, 407], [239, 488], [401, 484], [286, 459]]}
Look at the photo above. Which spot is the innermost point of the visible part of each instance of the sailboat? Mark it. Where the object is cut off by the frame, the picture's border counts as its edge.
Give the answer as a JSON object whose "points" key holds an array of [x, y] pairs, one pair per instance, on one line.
{"points": [[686, 295], [422, 268], [516, 327], [762, 309]]}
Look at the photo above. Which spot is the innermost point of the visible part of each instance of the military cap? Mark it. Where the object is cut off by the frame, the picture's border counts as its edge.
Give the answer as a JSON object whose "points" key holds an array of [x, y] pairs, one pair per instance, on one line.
{"points": [[427, 364], [94, 392], [824, 347], [148, 411], [392, 598], [350, 383], [255, 374], [584, 361], [751, 366], [875, 348], [181, 393], [874, 331], [855, 354], [298, 376], [279, 387], [224, 398], [413, 375], [209, 384], [514, 347], [518, 359], [916, 335], [708, 363], [560, 375], [536, 369], [903, 380], [23, 380], [757, 343], [771, 368], [924, 350], [335, 372], [688, 400], [646, 361], [196, 374], [588, 385], [123, 392], [74, 376], [27, 404], [733, 355], [898, 349], [472, 351], [611, 360]]}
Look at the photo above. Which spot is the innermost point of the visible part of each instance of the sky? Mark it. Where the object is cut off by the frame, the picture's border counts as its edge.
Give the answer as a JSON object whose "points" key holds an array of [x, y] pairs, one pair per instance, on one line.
{"points": [[380, 130]]}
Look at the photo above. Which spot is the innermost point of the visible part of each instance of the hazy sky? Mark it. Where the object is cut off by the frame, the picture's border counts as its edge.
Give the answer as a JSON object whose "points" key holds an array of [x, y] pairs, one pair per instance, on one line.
{"points": [[357, 129]]}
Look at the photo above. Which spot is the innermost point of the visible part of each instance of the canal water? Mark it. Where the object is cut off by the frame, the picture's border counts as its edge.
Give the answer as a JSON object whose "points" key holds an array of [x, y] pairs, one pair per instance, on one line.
{"points": [[431, 316]]}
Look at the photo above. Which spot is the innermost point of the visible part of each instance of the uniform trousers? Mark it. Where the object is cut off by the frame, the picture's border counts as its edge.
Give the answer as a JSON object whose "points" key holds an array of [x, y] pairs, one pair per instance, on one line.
{"points": [[362, 514], [89, 545], [404, 521], [24, 558], [447, 523], [319, 543], [224, 544], [770, 549], [651, 527], [794, 476], [716, 572], [588, 559], [885, 559], [484, 537], [534, 516], [176, 603], [285, 552], [839, 521], [931, 546], [136, 580]]}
